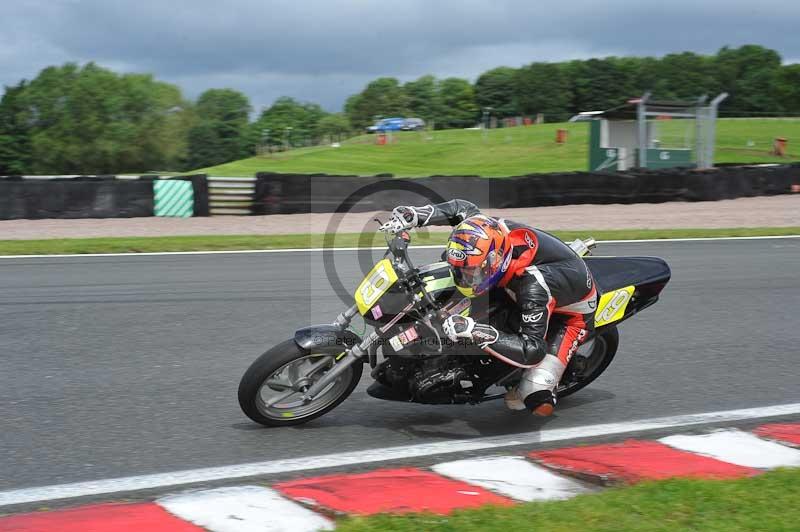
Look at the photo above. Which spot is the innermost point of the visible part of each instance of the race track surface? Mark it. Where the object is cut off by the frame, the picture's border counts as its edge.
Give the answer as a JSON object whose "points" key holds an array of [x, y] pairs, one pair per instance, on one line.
{"points": [[119, 366]]}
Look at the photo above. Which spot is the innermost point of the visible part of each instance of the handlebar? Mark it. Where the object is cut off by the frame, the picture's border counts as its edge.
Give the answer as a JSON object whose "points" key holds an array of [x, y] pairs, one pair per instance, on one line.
{"points": [[398, 246]]}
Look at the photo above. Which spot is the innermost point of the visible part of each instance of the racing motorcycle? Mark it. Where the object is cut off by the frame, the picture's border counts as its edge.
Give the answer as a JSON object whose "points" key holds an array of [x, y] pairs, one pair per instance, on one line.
{"points": [[410, 358]]}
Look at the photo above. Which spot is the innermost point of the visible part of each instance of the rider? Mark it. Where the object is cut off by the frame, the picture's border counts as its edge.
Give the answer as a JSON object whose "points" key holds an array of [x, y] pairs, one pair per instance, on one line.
{"points": [[550, 287]]}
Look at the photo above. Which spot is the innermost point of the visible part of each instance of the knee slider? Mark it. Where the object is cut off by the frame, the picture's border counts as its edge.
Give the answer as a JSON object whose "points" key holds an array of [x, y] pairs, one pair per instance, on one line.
{"points": [[544, 377]]}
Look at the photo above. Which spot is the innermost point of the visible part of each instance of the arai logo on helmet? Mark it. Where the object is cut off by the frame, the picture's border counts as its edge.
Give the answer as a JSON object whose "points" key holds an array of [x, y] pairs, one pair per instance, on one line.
{"points": [[456, 254]]}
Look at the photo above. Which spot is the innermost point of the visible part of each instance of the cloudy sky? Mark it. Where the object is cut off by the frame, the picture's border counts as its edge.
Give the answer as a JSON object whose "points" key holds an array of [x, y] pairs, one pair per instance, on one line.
{"points": [[324, 51]]}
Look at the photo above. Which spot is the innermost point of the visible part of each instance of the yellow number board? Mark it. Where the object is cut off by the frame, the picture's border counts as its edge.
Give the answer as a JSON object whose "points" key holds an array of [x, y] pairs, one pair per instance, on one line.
{"points": [[612, 306], [374, 285]]}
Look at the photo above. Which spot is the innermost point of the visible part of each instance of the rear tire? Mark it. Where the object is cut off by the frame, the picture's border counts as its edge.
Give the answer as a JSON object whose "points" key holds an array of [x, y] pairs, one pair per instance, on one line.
{"points": [[273, 362], [605, 347]]}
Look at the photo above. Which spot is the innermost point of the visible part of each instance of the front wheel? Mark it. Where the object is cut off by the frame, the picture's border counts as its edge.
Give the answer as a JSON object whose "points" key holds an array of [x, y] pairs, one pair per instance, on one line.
{"points": [[271, 390], [582, 370]]}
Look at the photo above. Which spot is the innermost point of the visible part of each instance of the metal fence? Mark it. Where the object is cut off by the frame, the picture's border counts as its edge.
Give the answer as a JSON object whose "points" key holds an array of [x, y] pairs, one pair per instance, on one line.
{"points": [[230, 195]]}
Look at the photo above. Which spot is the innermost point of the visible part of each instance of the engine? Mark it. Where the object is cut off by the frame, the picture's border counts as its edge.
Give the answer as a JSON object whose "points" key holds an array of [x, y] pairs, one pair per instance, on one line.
{"points": [[431, 380]]}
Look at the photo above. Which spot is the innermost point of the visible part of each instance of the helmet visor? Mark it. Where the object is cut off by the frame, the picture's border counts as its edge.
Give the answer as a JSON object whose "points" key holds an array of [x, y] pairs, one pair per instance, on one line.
{"points": [[476, 279]]}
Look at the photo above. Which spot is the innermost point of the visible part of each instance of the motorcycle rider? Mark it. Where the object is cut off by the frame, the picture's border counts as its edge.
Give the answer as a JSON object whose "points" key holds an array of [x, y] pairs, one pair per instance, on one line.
{"points": [[552, 294]]}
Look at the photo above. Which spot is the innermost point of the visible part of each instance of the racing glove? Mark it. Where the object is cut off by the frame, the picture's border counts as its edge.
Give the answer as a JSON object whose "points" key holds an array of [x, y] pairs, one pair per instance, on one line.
{"points": [[459, 327], [405, 217]]}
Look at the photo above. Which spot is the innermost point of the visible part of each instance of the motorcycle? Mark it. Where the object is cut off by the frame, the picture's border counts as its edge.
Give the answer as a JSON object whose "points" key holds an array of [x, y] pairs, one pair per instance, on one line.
{"points": [[310, 374]]}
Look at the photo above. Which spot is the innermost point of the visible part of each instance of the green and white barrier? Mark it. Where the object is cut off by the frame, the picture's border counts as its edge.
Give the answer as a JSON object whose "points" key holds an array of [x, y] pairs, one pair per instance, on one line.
{"points": [[173, 198]]}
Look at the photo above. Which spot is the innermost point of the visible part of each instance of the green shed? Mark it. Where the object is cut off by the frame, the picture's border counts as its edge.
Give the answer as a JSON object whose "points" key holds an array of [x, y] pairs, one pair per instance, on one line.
{"points": [[647, 133]]}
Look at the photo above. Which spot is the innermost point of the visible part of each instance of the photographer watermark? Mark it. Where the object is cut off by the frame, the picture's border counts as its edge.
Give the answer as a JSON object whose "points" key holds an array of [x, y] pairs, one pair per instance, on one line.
{"points": [[410, 192]]}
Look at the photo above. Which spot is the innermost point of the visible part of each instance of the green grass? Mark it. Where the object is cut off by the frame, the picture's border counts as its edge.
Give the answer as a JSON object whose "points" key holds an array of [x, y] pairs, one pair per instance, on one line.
{"points": [[67, 246], [505, 152], [244, 242], [765, 502]]}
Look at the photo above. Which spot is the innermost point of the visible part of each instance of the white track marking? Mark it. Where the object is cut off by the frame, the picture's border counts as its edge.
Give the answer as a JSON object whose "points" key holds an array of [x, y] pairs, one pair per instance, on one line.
{"points": [[309, 463], [243, 509], [512, 476], [377, 248], [737, 447], [178, 253]]}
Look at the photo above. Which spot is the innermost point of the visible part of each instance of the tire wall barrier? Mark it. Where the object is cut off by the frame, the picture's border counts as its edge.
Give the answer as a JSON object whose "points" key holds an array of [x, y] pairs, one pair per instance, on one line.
{"points": [[87, 197], [303, 193], [79, 197]]}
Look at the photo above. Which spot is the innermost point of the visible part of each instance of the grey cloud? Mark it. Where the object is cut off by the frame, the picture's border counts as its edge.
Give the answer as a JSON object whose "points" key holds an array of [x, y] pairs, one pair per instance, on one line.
{"points": [[323, 51]]}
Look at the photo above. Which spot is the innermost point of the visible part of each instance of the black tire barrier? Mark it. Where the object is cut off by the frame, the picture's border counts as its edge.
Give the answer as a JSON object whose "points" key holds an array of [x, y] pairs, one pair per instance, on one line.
{"points": [[79, 197], [304, 193], [88, 197]]}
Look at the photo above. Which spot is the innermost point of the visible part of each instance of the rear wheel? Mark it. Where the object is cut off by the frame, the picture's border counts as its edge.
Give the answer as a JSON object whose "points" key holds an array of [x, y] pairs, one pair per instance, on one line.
{"points": [[582, 370], [271, 390]]}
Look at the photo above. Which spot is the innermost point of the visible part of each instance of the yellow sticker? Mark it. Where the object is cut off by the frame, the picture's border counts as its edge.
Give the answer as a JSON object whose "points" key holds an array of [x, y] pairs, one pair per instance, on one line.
{"points": [[612, 305]]}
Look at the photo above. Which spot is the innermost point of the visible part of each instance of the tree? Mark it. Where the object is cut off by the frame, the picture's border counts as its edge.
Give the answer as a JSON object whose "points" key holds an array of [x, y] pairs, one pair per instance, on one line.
{"points": [[225, 105], [495, 89], [15, 135], [91, 120], [458, 107], [289, 121], [423, 98], [604, 85], [788, 88], [220, 132], [749, 74], [334, 126], [627, 69], [542, 88], [151, 123], [687, 76], [382, 97], [647, 76]]}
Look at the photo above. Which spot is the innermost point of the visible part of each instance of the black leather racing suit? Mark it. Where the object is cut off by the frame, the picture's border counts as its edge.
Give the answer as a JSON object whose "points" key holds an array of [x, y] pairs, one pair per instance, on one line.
{"points": [[552, 284]]}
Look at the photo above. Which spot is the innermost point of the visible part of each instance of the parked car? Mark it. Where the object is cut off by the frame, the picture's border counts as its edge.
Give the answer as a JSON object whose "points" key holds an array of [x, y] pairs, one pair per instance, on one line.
{"points": [[386, 124], [413, 124]]}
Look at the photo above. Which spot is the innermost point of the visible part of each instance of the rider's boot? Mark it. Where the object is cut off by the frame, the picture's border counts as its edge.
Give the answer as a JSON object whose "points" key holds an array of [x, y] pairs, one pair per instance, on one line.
{"points": [[536, 390]]}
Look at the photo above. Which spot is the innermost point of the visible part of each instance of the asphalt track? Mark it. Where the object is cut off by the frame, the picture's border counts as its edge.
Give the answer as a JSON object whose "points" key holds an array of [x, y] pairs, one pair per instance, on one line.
{"points": [[116, 366]]}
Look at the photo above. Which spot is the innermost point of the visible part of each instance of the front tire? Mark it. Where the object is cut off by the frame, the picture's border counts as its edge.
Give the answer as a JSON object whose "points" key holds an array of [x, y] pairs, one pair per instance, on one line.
{"points": [[271, 389]]}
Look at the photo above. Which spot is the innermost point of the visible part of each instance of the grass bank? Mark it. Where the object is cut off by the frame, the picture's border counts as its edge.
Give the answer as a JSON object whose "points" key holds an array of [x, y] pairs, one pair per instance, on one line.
{"points": [[502, 152], [246, 242], [765, 502]]}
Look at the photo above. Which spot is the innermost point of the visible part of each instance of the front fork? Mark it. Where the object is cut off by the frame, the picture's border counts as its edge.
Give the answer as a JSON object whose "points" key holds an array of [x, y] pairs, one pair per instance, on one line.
{"points": [[357, 352], [352, 355]]}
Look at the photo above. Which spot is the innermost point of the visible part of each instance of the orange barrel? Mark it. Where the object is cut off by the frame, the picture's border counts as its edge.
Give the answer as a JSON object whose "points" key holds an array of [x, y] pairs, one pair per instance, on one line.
{"points": [[779, 147], [381, 139], [561, 136]]}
